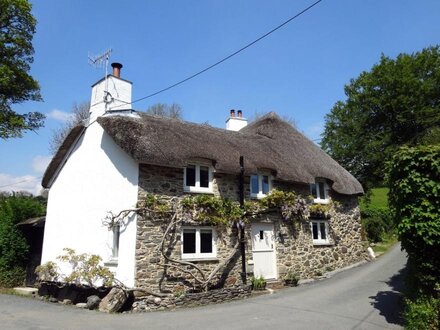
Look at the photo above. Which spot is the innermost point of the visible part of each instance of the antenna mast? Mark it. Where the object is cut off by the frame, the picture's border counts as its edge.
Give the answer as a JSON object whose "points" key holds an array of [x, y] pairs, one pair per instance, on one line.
{"points": [[99, 61]]}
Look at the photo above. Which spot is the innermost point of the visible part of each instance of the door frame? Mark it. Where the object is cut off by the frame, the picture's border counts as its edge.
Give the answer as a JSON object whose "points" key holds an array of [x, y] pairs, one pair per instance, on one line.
{"points": [[273, 250]]}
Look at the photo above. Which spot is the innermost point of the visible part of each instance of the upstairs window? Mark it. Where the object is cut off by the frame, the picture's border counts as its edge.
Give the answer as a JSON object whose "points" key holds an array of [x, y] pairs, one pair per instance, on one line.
{"points": [[198, 243], [198, 178], [319, 232], [319, 191], [260, 185]]}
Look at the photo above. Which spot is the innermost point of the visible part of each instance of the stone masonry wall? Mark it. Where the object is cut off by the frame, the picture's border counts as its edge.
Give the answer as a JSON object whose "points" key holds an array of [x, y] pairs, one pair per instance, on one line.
{"points": [[294, 246]]}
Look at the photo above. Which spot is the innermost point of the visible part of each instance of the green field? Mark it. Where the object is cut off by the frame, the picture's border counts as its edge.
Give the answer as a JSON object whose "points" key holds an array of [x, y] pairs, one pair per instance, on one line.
{"points": [[378, 199]]}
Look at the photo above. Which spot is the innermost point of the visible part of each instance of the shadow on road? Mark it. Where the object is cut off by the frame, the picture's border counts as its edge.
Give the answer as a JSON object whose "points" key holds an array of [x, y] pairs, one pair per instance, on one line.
{"points": [[390, 303]]}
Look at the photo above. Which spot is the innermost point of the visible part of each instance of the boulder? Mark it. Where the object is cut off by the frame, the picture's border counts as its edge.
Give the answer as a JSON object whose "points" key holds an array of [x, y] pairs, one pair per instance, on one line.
{"points": [[93, 302], [114, 301], [81, 305]]}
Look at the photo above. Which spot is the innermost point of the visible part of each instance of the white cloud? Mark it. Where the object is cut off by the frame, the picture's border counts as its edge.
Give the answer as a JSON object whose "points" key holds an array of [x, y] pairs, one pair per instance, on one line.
{"points": [[59, 115], [27, 183], [39, 163]]}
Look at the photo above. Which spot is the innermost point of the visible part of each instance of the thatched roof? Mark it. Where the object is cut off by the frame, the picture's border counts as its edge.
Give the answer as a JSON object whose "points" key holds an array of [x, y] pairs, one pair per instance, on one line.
{"points": [[269, 143]]}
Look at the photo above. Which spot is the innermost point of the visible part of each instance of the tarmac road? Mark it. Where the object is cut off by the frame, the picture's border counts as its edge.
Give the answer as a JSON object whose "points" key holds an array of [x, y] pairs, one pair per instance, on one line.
{"points": [[364, 297]]}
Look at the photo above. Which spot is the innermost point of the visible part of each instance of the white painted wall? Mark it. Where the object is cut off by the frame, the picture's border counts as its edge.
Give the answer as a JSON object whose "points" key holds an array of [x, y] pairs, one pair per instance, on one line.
{"points": [[235, 123], [98, 177]]}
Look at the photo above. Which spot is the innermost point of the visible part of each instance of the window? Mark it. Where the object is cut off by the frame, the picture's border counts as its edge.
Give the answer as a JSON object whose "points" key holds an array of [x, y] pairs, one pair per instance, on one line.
{"points": [[198, 178], [115, 246], [260, 185], [198, 243], [320, 232], [319, 191]]}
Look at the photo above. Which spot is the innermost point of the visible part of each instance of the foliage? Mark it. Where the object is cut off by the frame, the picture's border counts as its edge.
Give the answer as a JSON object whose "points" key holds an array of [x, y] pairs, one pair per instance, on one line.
{"points": [[164, 110], [374, 228], [212, 209], [376, 198], [47, 272], [396, 103], [17, 27], [292, 207], [86, 268], [79, 112], [258, 283], [155, 204], [422, 313], [13, 245], [414, 197], [291, 278], [320, 210]]}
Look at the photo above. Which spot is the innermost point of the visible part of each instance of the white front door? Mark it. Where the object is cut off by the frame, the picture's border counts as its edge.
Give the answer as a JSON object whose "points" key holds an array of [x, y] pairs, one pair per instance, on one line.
{"points": [[263, 250]]}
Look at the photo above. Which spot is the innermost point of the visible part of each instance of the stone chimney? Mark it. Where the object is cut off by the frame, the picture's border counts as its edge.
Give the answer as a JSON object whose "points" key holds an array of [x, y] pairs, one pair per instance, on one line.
{"points": [[234, 123]]}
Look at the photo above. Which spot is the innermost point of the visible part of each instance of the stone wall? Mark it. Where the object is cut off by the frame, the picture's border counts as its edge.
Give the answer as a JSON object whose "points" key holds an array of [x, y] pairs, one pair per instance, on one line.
{"points": [[191, 299], [294, 245]]}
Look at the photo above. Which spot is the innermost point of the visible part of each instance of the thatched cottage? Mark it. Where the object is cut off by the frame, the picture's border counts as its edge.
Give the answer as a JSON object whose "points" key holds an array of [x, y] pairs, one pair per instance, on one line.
{"points": [[119, 156]]}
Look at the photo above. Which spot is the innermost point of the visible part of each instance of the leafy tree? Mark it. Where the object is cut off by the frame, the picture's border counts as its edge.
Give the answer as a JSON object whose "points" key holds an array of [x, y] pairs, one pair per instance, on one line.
{"points": [[164, 110], [414, 198], [396, 103], [80, 112], [13, 245], [17, 27]]}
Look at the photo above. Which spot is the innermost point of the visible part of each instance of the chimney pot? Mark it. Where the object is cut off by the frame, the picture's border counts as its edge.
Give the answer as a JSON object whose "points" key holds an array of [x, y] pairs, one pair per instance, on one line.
{"points": [[232, 113], [117, 69], [239, 114]]}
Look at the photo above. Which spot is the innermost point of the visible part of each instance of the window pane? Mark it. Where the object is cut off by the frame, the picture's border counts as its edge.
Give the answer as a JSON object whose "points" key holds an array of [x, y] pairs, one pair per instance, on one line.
{"points": [[313, 190], [191, 175], [204, 176], [205, 241], [321, 190], [323, 232], [189, 241], [265, 184], [315, 230], [254, 184]]}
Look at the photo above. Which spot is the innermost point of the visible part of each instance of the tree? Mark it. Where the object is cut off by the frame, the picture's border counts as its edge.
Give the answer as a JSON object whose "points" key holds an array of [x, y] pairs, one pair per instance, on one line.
{"points": [[17, 27], [13, 245], [164, 110], [80, 112], [396, 103]]}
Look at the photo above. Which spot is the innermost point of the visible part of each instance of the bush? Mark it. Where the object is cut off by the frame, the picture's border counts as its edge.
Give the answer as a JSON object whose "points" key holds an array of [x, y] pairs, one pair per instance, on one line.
{"points": [[423, 313], [414, 198], [258, 283], [374, 228]]}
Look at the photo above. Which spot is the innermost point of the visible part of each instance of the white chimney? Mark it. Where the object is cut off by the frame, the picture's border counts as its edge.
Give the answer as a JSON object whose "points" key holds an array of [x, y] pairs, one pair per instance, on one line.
{"points": [[234, 123], [111, 94]]}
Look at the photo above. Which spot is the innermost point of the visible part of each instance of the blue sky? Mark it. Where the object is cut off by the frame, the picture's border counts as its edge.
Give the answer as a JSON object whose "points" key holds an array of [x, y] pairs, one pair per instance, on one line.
{"points": [[299, 71]]}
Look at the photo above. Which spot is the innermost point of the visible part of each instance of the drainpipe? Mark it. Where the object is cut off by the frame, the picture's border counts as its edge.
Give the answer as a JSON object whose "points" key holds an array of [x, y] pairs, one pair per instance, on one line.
{"points": [[241, 223]]}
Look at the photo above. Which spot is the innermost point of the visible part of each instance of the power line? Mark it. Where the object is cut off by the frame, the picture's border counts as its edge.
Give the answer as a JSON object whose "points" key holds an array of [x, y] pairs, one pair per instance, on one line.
{"points": [[23, 181], [229, 56]]}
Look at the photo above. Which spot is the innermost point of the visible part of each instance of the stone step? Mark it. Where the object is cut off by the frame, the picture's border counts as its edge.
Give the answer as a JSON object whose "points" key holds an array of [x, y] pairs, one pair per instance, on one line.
{"points": [[25, 291]]}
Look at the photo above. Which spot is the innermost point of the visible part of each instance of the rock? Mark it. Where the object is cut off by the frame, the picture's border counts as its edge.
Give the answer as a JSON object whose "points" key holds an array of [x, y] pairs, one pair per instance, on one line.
{"points": [[157, 300], [81, 305], [93, 302], [66, 302], [113, 302], [53, 300]]}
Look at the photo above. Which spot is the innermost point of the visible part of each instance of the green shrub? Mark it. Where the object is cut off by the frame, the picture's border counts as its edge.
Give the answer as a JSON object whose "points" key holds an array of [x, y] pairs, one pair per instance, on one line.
{"points": [[258, 283], [423, 313], [374, 228], [414, 198]]}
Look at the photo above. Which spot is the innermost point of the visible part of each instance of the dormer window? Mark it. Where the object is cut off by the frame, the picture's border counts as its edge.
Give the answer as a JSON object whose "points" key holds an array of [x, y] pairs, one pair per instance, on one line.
{"points": [[198, 178], [261, 184], [319, 191]]}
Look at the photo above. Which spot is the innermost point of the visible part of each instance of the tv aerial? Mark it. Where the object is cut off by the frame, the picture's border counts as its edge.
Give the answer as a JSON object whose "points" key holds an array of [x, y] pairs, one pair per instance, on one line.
{"points": [[99, 61]]}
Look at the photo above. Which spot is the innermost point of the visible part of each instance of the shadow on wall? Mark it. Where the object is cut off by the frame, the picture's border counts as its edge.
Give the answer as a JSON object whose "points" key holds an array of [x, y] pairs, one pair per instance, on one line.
{"points": [[390, 303]]}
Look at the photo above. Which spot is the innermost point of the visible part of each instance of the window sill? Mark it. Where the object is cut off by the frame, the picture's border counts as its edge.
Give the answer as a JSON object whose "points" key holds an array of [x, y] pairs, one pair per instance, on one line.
{"points": [[111, 263], [323, 243], [198, 190], [200, 259], [258, 196], [321, 201]]}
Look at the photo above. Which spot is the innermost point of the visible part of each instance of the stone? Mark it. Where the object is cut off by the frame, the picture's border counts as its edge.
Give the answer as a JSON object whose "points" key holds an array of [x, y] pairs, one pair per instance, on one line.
{"points": [[26, 291], [113, 301], [67, 302], [81, 305], [53, 300], [93, 302], [157, 300]]}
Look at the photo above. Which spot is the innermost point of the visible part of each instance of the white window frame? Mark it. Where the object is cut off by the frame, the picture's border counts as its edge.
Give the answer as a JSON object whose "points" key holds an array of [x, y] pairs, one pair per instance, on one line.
{"points": [[197, 188], [320, 241], [260, 185], [198, 254], [319, 199]]}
